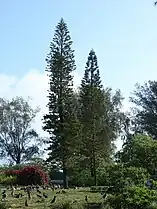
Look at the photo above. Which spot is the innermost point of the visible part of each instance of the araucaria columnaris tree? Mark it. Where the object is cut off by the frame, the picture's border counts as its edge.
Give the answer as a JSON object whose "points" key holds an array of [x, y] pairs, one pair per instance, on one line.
{"points": [[91, 100], [18, 141], [60, 120]]}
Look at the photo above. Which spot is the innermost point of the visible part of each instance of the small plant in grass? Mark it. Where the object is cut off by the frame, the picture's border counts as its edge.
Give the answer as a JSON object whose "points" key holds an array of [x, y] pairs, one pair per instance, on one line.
{"points": [[7, 180], [4, 205], [66, 205]]}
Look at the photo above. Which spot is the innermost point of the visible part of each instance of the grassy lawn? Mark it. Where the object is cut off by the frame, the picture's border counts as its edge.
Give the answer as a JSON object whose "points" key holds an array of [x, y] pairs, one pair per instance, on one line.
{"points": [[76, 198]]}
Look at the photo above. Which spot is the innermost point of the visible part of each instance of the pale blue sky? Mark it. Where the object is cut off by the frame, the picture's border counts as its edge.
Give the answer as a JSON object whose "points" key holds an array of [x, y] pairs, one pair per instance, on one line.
{"points": [[122, 32]]}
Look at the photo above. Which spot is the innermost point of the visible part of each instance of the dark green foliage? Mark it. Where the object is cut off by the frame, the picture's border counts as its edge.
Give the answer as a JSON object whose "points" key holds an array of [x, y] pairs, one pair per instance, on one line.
{"points": [[93, 205], [15, 131], [133, 197], [128, 189], [121, 176], [67, 205], [55, 175], [140, 151], [100, 117], [7, 180], [4, 205], [60, 122], [145, 112], [91, 100], [81, 178]]}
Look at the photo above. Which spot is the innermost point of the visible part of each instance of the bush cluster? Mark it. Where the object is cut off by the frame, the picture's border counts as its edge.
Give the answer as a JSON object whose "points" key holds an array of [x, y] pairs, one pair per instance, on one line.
{"points": [[27, 175], [121, 176], [7, 180], [129, 190], [133, 197], [32, 175]]}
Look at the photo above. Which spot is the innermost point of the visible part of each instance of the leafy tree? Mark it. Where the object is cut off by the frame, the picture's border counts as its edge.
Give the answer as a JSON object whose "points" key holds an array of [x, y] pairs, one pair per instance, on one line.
{"points": [[61, 121], [16, 134], [81, 178], [112, 119], [127, 127], [120, 176], [145, 111], [140, 151]]}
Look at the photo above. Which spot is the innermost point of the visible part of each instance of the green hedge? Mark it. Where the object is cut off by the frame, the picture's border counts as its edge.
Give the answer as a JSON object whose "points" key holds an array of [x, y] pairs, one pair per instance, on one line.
{"points": [[136, 197]]}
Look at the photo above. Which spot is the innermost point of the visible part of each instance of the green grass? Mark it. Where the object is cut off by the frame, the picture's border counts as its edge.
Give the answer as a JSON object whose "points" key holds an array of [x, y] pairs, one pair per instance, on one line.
{"points": [[67, 199]]}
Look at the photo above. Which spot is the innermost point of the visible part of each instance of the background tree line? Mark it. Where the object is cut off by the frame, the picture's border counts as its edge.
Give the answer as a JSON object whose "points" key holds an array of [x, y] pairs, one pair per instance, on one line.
{"points": [[83, 124]]}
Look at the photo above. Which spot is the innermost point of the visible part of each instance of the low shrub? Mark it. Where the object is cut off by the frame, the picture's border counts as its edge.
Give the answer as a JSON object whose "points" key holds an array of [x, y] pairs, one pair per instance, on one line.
{"points": [[120, 176], [32, 175], [2, 177], [67, 205], [11, 180], [4, 205], [27, 175], [133, 197], [8, 180], [82, 178]]}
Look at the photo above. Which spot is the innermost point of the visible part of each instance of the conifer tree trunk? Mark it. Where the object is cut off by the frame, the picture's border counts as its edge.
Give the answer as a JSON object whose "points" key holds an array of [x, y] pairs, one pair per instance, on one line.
{"points": [[65, 183], [94, 169], [94, 161]]}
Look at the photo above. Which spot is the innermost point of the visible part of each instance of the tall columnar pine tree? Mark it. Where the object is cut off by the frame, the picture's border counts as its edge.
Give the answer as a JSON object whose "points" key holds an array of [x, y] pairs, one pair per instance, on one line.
{"points": [[60, 120], [91, 100]]}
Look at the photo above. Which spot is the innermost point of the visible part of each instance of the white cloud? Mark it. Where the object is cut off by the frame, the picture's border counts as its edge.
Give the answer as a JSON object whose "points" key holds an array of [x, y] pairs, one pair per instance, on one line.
{"points": [[119, 144], [35, 85]]}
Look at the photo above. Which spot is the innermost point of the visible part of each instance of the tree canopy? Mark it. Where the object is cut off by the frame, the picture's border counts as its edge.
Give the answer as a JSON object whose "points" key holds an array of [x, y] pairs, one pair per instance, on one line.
{"points": [[140, 151], [145, 111], [18, 141]]}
